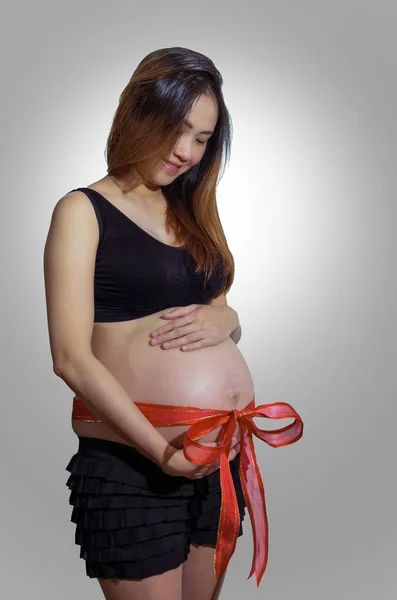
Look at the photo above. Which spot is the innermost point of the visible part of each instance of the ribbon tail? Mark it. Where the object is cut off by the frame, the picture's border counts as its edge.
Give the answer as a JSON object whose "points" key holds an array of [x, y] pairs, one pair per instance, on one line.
{"points": [[229, 522], [255, 499]]}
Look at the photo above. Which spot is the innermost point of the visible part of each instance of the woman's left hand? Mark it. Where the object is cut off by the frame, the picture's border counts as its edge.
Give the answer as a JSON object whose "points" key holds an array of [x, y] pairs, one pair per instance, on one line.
{"points": [[196, 326]]}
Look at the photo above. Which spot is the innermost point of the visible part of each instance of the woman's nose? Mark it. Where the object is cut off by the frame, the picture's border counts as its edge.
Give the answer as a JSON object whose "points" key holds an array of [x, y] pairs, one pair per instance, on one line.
{"points": [[183, 151]]}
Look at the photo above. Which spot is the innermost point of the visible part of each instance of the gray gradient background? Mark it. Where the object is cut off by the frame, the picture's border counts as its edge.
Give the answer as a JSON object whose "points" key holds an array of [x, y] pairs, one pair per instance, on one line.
{"points": [[308, 206]]}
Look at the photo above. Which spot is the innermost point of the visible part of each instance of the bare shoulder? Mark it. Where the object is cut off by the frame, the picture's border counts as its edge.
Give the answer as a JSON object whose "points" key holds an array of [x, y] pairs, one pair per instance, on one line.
{"points": [[75, 214], [72, 203]]}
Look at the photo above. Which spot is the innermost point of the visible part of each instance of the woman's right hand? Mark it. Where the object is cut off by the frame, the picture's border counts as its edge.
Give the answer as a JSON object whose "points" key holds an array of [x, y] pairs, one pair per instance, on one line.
{"points": [[176, 465]]}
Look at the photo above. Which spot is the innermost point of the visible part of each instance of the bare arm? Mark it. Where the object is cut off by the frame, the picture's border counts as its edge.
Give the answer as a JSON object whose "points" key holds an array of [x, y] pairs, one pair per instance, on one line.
{"points": [[69, 263]]}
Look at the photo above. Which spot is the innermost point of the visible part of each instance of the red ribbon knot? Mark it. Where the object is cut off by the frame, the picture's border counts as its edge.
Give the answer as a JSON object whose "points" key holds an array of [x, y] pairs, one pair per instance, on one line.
{"points": [[237, 414]]}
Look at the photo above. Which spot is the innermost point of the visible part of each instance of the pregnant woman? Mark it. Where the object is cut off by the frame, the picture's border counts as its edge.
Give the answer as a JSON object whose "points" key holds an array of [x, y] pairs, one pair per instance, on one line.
{"points": [[137, 269]]}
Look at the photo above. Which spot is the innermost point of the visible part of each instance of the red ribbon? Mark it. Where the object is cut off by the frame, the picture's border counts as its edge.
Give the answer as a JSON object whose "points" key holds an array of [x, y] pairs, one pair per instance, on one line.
{"points": [[203, 421]]}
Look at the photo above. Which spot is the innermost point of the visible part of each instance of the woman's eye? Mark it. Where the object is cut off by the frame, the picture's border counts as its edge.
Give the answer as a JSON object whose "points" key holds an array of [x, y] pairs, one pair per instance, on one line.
{"points": [[180, 132]]}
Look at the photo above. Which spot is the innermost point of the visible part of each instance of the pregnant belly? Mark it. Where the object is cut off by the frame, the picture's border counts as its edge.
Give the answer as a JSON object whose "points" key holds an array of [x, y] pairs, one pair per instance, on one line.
{"points": [[210, 377]]}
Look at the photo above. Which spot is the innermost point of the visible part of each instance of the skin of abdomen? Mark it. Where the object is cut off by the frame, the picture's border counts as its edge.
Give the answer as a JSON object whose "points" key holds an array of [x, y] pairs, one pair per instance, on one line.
{"points": [[210, 377]]}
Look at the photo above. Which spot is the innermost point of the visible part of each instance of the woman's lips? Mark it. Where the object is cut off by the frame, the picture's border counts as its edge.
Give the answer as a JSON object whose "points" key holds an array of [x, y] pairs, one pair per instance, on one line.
{"points": [[170, 168]]}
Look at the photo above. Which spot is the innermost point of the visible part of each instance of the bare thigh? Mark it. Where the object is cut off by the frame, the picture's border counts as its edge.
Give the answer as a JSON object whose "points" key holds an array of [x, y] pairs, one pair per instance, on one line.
{"points": [[166, 586], [199, 581]]}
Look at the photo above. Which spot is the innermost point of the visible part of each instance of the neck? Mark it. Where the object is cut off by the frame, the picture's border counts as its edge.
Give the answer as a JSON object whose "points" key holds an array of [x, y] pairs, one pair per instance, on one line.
{"points": [[151, 198]]}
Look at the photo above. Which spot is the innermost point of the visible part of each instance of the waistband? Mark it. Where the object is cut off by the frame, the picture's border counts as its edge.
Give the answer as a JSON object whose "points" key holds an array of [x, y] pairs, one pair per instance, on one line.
{"points": [[204, 420], [104, 448]]}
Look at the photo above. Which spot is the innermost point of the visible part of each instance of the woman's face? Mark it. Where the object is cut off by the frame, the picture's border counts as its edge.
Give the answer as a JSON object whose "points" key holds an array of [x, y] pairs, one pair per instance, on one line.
{"points": [[192, 141]]}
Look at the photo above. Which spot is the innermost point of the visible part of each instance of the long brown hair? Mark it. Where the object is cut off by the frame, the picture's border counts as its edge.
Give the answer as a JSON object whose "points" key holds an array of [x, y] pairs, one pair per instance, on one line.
{"points": [[146, 126]]}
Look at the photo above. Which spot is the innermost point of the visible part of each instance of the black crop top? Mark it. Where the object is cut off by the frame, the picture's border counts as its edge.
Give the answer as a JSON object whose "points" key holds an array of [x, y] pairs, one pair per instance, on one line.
{"points": [[137, 274]]}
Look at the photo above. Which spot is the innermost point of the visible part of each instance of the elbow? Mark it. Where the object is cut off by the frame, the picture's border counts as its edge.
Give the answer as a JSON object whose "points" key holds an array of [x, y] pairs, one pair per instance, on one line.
{"points": [[63, 366], [59, 368]]}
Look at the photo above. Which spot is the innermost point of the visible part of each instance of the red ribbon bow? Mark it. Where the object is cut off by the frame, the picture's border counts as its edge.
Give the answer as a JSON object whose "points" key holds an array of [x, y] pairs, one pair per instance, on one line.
{"points": [[203, 421]]}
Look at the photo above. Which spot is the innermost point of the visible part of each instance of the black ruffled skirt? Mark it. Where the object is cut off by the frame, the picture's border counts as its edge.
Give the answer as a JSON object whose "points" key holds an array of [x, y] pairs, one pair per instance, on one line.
{"points": [[133, 520]]}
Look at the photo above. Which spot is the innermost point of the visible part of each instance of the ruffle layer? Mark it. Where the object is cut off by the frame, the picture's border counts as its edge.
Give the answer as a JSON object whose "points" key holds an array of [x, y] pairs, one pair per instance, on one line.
{"points": [[139, 569], [103, 519], [153, 482], [123, 537], [133, 552], [98, 493]]}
